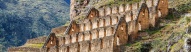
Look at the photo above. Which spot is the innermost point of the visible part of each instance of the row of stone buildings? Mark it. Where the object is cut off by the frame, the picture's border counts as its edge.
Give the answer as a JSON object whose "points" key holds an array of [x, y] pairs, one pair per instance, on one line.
{"points": [[105, 29]]}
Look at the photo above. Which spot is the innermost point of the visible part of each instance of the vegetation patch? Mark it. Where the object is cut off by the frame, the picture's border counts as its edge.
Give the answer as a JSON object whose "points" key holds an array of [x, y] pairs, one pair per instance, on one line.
{"points": [[117, 2], [67, 23], [177, 46], [153, 31], [184, 7], [169, 16], [187, 19], [39, 45], [137, 46]]}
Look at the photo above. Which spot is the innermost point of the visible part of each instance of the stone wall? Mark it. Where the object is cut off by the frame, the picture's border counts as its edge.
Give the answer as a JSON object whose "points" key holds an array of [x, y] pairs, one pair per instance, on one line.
{"points": [[101, 12], [78, 7], [88, 35], [95, 23], [73, 28], [104, 44], [153, 16], [96, 29], [129, 10], [92, 40], [53, 49], [97, 34], [143, 17], [133, 28], [163, 7], [89, 38], [128, 16]]}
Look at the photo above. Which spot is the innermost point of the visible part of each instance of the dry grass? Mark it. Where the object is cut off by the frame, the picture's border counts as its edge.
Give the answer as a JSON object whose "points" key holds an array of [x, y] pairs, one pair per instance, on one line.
{"points": [[33, 45]]}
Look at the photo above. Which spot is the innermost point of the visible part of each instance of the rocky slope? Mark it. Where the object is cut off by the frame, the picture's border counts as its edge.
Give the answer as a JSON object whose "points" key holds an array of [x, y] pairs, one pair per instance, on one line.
{"points": [[173, 33], [25, 19]]}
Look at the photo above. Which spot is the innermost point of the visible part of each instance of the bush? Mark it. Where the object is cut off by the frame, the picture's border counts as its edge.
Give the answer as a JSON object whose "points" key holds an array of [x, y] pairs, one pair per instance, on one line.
{"points": [[170, 16], [187, 19], [133, 1], [184, 8], [113, 2], [110, 2], [67, 23]]}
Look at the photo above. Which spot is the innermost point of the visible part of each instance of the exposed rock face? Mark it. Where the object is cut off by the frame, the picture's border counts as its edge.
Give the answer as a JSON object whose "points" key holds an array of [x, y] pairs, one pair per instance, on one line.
{"points": [[188, 30], [187, 45]]}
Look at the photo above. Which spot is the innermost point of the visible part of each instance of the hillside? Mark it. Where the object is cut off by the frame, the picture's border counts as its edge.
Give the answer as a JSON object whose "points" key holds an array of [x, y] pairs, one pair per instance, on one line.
{"points": [[172, 34], [171, 37], [25, 19]]}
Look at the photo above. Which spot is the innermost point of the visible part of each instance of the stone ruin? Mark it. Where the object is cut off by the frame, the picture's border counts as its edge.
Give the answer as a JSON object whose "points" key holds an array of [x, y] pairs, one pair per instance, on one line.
{"points": [[105, 29]]}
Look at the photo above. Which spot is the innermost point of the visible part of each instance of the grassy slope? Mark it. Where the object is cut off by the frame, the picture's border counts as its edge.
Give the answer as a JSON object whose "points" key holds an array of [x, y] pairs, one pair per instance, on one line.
{"points": [[37, 45]]}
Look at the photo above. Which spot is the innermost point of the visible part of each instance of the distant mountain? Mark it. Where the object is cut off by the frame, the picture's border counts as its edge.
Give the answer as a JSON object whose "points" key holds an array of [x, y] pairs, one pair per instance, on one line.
{"points": [[24, 19], [68, 1]]}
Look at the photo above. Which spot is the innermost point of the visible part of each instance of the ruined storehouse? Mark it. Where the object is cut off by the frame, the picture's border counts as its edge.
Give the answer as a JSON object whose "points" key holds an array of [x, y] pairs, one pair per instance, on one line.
{"points": [[106, 28]]}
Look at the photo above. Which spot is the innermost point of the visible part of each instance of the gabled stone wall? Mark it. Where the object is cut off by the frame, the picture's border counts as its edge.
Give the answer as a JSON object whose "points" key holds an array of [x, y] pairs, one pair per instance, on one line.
{"points": [[163, 7], [143, 17]]}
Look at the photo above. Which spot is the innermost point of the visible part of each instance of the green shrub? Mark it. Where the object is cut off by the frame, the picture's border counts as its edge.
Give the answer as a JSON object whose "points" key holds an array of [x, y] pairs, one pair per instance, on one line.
{"points": [[187, 19], [112, 2], [153, 31], [177, 46], [184, 8], [133, 1], [67, 23], [170, 16]]}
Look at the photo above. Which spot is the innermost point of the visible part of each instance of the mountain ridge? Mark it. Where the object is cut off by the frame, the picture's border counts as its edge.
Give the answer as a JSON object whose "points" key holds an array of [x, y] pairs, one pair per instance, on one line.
{"points": [[25, 19]]}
